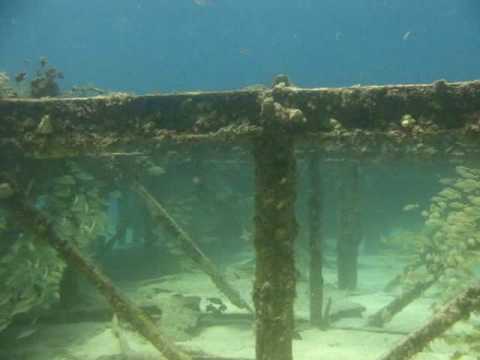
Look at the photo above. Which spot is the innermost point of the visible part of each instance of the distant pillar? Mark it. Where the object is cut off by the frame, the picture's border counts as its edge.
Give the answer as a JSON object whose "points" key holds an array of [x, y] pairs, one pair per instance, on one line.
{"points": [[275, 232], [70, 288], [348, 231], [315, 239]]}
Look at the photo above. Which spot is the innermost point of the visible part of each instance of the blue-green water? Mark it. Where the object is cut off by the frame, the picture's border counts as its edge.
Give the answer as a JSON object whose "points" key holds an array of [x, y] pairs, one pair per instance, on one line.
{"points": [[165, 45], [414, 215]]}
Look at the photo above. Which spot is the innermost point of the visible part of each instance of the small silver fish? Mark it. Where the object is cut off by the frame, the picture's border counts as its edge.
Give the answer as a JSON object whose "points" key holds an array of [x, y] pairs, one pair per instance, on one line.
{"points": [[203, 2], [26, 333], [411, 207]]}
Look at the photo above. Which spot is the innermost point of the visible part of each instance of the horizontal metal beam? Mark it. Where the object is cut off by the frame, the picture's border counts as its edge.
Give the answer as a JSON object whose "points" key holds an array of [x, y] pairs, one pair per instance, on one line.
{"points": [[359, 118]]}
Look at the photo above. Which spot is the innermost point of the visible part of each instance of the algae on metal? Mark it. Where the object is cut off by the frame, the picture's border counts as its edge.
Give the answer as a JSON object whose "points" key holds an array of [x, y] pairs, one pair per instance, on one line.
{"points": [[275, 231]]}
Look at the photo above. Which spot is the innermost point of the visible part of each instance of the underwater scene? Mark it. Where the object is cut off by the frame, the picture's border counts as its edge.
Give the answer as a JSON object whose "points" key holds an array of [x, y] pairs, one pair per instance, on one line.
{"points": [[239, 180]]}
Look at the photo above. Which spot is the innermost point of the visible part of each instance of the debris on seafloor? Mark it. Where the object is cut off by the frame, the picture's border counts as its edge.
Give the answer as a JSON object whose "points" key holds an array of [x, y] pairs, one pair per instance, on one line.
{"points": [[189, 249], [345, 309], [126, 352], [215, 306]]}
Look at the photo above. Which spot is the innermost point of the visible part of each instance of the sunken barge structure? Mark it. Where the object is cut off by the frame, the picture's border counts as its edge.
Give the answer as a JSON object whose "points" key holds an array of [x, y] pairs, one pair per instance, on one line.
{"points": [[276, 125]]}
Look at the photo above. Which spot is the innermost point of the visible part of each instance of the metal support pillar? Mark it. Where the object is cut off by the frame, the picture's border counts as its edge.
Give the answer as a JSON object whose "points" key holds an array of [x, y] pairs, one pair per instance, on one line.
{"points": [[349, 235], [315, 239], [275, 232]]}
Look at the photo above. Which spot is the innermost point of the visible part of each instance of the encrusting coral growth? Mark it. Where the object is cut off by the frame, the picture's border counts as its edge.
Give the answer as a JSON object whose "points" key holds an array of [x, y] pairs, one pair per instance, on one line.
{"points": [[275, 231], [6, 89], [43, 83]]}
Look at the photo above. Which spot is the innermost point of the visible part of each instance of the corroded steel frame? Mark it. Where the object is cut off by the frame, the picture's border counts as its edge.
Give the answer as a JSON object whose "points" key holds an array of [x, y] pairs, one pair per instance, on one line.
{"points": [[363, 121], [440, 120]]}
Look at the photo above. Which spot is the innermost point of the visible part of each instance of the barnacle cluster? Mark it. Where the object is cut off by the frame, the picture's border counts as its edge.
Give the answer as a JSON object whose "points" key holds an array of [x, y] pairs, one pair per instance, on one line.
{"points": [[407, 121]]}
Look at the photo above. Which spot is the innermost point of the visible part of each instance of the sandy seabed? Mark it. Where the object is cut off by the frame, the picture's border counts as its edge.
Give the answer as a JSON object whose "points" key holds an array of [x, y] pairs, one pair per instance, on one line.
{"points": [[348, 339]]}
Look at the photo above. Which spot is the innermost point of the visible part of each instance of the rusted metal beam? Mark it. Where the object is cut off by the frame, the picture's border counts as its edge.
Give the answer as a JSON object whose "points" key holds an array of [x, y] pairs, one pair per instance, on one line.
{"points": [[447, 105], [358, 107], [439, 119]]}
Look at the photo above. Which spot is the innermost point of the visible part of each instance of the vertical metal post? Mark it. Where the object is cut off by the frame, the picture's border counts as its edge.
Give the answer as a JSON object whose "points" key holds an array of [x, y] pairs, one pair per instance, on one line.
{"points": [[348, 233], [315, 240], [275, 232]]}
